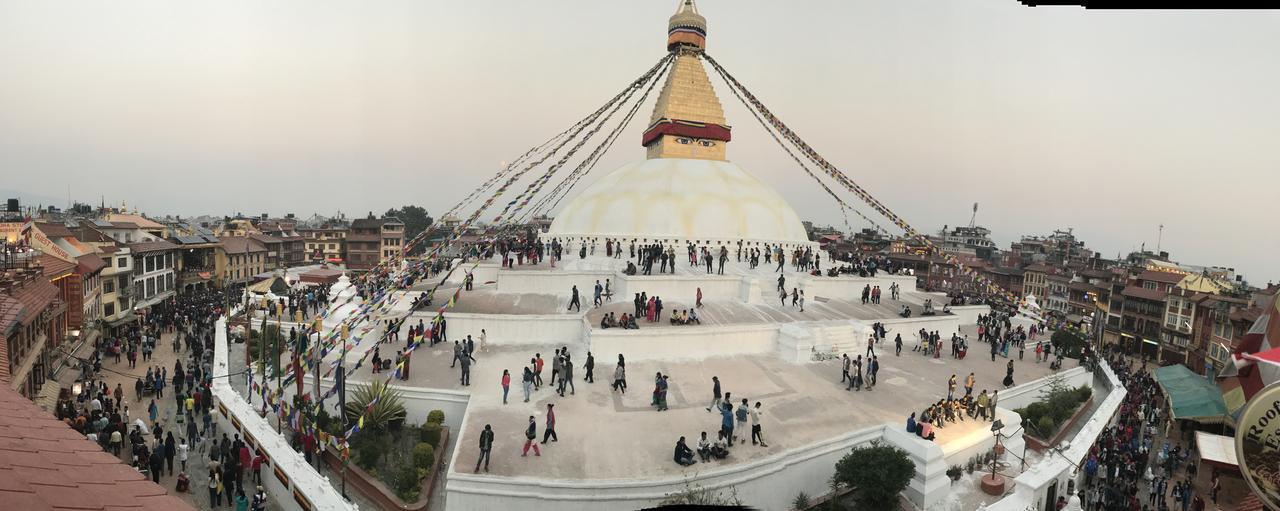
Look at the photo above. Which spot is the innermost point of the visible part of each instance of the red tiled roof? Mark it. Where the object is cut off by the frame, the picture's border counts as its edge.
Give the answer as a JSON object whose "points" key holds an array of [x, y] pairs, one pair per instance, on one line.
{"points": [[53, 230], [89, 263], [238, 244], [55, 268], [46, 465], [1160, 276], [1042, 268], [1144, 293]]}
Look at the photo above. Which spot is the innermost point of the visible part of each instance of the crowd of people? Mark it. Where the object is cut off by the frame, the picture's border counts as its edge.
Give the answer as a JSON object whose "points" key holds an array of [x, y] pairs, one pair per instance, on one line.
{"points": [[1131, 466], [736, 425], [103, 413]]}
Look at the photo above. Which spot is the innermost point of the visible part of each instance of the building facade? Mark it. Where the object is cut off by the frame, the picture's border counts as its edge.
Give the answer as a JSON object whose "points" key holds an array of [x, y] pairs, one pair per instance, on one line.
{"points": [[154, 276], [33, 320]]}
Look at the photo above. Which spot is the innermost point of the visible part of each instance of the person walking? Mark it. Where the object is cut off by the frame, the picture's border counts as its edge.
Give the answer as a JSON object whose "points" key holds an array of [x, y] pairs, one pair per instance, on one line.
{"points": [[755, 426], [590, 367], [968, 385], [897, 345], [873, 369], [170, 451], [550, 429], [506, 385], [951, 387], [486, 446], [566, 376], [457, 354], [715, 393], [620, 378], [556, 361], [743, 414], [537, 370], [575, 302], [527, 382], [844, 372]]}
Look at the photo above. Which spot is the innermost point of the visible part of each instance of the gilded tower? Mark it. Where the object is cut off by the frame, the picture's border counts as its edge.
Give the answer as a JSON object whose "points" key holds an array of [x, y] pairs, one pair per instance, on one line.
{"points": [[687, 120]]}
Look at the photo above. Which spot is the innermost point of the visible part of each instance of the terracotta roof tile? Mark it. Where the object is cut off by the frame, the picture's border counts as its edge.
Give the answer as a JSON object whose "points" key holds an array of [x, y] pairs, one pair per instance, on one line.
{"points": [[54, 267], [1161, 276], [45, 465]]}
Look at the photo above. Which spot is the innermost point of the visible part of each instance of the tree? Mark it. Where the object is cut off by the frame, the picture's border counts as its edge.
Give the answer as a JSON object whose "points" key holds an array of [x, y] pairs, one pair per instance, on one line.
{"points": [[415, 220], [696, 495], [877, 472], [1068, 342]]}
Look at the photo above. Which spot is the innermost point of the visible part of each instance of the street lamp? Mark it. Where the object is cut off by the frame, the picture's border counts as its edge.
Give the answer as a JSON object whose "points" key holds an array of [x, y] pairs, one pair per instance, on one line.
{"points": [[993, 483]]}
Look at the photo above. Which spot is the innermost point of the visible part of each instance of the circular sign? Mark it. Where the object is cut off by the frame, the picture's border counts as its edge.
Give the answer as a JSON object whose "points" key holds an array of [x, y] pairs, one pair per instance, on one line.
{"points": [[1258, 444]]}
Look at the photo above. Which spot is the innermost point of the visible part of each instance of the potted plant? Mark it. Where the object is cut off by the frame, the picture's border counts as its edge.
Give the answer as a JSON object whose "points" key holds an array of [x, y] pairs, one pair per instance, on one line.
{"points": [[954, 473]]}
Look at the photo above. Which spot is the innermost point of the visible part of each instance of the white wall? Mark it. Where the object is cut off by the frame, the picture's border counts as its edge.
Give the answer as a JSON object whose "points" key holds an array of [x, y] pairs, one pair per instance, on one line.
{"points": [[512, 329], [683, 288], [559, 283], [770, 483], [945, 325], [968, 314], [302, 476], [1022, 395], [419, 401], [1030, 489], [685, 342]]}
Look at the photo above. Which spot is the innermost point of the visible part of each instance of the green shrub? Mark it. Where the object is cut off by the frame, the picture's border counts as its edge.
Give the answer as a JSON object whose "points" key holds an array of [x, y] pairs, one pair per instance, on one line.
{"points": [[801, 502], [435, 417], [430, 434], [368, 454], [1045, 426], [877, 472], [403, 478], [423, 455]]}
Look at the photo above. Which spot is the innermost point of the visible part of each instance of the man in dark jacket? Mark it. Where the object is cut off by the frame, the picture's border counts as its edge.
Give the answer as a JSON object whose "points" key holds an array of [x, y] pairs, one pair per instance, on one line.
{"points": [[486, 445]]}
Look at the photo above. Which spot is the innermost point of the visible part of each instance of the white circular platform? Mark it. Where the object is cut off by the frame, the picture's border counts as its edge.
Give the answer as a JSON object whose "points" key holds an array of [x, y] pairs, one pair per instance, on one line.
{"points": [[680, 199]]}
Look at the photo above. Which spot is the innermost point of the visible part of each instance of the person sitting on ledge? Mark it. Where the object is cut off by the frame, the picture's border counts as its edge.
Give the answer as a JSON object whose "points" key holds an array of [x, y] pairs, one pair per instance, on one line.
{"points": [[946, 309], [675, 317], [684, 455], [604, 321], [630, 323], [631, 268], [693, 318], [911, 423], [720, 449], [925, 431], [704, 448], [906, 311]]}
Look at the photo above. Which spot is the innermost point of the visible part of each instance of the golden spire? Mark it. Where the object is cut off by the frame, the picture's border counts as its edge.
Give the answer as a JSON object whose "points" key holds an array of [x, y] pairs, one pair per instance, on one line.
{"points": [[687, 121]]}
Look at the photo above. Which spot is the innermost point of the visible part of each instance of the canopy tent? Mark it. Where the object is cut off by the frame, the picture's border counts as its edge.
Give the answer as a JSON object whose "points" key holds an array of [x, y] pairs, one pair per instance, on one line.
{"points": [[274, 285], [1190, 395], [1217, 450]]}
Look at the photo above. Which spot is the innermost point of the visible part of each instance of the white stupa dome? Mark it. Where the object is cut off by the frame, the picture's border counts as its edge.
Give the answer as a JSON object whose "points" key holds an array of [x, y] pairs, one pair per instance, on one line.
{"points": [[675, 199]]}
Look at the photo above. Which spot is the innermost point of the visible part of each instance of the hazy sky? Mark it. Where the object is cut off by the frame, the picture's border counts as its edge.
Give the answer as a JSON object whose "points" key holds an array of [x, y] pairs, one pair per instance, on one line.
{"points": [[1110, 123]]}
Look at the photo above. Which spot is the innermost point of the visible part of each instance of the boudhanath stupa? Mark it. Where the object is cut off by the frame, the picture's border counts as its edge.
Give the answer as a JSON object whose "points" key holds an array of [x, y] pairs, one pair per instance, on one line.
{"points": [[686, 190], [613, 448]]}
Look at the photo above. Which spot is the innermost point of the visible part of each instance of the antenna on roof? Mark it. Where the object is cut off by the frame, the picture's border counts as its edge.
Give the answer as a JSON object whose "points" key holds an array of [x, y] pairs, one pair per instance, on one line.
{"points": [[973, 219]]}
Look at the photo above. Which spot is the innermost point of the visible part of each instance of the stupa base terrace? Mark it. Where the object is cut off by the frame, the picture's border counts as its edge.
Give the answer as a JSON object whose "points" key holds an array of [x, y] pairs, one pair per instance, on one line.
{"points": [[742, 312]]}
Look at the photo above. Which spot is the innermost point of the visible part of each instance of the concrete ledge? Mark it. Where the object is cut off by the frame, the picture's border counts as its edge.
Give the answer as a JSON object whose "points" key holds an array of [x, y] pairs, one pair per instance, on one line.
{"points": [[686, 342], [512, 330], [294, 482]]}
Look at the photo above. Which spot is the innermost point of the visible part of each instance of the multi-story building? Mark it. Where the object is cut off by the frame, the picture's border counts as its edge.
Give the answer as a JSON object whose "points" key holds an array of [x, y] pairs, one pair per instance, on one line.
{"points": [[1035, 281], [325, 244], [32, 322], [197, 252], [373, 240], [116, 276], [972, 240], [154, 278], [238, 259], [1143, 307], [1190, 310]]}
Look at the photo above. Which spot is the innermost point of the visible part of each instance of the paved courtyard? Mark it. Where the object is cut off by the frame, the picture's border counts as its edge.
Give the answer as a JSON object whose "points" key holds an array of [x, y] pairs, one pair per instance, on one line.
{"points": [[802, 404]]}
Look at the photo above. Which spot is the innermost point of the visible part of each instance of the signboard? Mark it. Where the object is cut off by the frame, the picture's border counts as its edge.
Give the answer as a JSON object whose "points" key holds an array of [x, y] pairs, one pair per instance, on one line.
{"points": [[42, 243], [1258, 444], [11, 232]]}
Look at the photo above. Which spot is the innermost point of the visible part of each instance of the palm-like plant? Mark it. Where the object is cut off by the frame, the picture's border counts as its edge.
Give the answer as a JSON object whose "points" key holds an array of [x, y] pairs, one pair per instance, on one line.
{"points": [[387, 412]]}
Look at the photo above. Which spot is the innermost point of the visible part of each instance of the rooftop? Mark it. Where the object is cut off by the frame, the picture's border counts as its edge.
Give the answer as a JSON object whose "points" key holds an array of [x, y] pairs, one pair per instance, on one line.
{"points": [[46, 465], [151, 246], [1161, 276], [1144, 293]]}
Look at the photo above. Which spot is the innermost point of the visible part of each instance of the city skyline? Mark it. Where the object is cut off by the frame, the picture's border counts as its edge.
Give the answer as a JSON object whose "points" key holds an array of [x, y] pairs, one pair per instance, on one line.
{"points": [[931, 107]]}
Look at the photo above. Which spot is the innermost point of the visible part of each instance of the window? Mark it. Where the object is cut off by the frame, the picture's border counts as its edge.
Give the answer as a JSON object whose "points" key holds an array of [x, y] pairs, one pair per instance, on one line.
{"points": [[1149, 285], [169, 281], [149, 264], [333, 246], [168, 260], [122, 262], [108, 287], [109, 309], [1219, 327], [151, 287]]}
